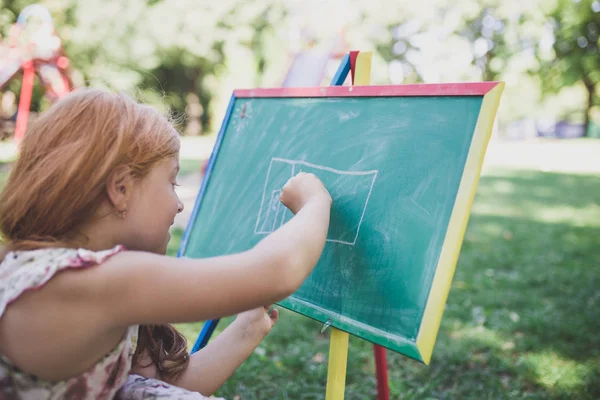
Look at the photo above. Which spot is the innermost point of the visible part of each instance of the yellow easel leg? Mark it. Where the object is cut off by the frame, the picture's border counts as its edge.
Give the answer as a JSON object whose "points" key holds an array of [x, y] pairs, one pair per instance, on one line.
{"points": [[338, 359], [338, 345], [362, 71]]}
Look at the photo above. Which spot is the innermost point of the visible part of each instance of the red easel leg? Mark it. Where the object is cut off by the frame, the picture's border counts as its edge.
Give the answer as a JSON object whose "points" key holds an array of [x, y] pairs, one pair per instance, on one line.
{"points": [[24, 101], [383, 389]]}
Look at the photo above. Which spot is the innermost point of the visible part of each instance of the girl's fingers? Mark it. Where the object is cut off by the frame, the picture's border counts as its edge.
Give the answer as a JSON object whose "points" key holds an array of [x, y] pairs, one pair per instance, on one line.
{"points": [[274, 315]]}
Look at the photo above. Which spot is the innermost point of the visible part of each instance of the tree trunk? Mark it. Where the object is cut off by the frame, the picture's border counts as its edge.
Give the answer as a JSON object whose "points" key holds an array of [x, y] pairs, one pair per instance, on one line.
{"points": [[591, 92]]}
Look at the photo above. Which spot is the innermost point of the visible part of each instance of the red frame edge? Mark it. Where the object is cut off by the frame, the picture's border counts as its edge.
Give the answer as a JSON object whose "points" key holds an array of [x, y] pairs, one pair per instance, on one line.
{"points": [[425, 89]]}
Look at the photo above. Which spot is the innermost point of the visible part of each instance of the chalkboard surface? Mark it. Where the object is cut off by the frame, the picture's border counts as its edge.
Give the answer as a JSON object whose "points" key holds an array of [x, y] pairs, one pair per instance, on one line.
{"points": [[401, 169]]}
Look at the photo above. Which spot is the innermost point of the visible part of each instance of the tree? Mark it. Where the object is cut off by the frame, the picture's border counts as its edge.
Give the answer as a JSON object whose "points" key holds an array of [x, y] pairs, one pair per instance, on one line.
{"points": [[465, 39], [159, 50], [575, 25]]}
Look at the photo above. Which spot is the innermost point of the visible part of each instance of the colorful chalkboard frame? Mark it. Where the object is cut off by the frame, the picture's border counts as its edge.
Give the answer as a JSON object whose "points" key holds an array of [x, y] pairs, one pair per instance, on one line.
{"points": [[421, 349]]}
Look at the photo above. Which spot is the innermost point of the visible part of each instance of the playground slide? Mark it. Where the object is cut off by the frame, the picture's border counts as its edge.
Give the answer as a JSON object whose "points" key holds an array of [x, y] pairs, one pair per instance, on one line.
{"points": [[307, 69], [10, 64]]}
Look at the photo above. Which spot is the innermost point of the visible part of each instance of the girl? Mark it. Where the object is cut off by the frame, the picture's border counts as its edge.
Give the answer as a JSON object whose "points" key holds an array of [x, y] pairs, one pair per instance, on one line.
{"points": [[86, 292]]}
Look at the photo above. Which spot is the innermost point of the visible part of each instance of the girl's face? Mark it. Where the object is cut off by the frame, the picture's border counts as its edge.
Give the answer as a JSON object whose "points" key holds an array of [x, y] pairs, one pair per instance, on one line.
{"points": [[152, 209]]}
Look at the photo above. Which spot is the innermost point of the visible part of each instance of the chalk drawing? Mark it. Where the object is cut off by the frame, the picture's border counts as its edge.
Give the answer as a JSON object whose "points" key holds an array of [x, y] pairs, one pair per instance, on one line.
{"points": [[350, 191]]}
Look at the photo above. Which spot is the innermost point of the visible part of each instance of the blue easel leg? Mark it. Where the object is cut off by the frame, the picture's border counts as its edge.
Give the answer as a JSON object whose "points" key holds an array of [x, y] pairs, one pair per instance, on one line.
{"points": [[204, 336], [342, 72]]}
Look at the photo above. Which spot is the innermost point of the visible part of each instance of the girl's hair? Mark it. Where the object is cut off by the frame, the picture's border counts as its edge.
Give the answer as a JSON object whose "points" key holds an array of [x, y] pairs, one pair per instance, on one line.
{"points": [[59, 181]]}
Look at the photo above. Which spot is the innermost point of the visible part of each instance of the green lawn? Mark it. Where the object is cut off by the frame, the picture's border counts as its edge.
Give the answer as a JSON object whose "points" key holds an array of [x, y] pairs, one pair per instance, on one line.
{"points": [[522, 319], [189, 166]]}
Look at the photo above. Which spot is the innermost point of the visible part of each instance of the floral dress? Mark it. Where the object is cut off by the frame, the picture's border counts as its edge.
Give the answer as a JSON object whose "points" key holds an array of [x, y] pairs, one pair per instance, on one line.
{"points": [[109, 378]]}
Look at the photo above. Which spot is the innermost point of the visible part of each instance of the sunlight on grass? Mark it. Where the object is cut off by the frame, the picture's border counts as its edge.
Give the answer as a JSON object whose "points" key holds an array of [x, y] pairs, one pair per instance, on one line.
{"points": [[503, 187], [487, 337], [590, 215], [541, 196], [555, 372]]}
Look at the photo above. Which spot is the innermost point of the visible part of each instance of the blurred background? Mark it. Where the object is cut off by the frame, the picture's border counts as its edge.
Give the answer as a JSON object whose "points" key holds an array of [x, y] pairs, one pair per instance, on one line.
{"points": [[188, 55], [522, 319]]}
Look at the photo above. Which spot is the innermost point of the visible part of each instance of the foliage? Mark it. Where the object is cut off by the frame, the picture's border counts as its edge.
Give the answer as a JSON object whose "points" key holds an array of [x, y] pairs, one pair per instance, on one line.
{"points": [[187, 55], [576, 57]]}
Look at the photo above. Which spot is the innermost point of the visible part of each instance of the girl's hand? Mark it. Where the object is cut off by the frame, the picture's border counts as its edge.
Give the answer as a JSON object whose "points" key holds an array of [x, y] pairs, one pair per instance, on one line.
{"points": [[257, 322], [301, 189]]}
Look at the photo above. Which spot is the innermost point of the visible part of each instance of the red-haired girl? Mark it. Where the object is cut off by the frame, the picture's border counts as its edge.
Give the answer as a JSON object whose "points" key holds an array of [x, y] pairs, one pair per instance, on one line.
{"points": [[86, 291]]}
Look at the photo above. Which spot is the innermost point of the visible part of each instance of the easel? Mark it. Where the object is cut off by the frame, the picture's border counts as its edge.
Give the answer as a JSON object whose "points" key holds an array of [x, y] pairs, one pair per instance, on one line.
{"points": [[359, 66]]}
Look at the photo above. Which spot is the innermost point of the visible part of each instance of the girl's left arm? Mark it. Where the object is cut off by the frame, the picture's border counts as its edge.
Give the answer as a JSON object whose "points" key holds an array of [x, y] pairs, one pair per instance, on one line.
{"points": [[210, 367]]}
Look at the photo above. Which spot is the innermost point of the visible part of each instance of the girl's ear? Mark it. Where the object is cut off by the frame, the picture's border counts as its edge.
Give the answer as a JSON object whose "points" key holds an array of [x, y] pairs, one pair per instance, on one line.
{"points": [[119, 187]]}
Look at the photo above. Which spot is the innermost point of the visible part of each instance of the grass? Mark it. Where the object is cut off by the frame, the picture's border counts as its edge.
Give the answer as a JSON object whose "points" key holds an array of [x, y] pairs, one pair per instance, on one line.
{"points": [[188, 166], [522, 319]]}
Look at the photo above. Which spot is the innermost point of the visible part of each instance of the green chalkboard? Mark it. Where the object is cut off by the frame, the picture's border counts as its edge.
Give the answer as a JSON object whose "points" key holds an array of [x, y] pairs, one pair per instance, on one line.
{"points": [[393, 166]]}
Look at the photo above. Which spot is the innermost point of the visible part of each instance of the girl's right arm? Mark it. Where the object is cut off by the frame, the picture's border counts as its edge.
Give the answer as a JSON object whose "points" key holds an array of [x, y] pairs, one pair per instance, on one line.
{"points": [[154, 289]]}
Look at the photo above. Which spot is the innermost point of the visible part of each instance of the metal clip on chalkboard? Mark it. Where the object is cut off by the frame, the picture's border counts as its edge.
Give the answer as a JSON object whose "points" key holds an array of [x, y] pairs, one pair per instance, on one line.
{"points": [[326, 325]]}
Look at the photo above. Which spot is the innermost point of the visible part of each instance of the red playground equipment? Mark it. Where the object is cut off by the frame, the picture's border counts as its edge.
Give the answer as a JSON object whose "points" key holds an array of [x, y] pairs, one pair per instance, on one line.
{"points": [[33, 47]]}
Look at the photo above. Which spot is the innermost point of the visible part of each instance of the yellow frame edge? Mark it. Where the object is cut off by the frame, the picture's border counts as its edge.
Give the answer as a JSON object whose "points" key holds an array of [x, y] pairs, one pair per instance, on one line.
{"points": [[362, 70], [442, 280]]}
